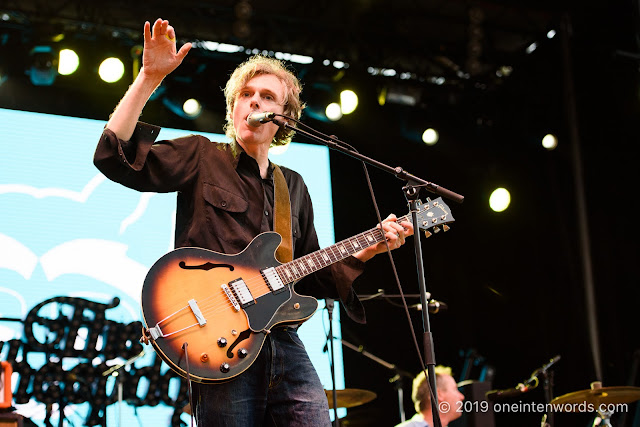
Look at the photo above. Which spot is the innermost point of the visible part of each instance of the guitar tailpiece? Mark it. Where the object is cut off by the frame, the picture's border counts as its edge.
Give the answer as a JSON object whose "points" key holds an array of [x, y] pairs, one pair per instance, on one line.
{"points": [[144, 339]]}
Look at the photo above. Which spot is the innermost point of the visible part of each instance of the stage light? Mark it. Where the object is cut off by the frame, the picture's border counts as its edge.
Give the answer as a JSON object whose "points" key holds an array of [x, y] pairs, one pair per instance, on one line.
{"points": [[532, 47], [44, 66], [402, 94], [550, 141], [111, 70], [321, 102], [333, 111], [430, 136], [68, 62], [499, 199], [348, 101], [185, 108], [192, 107]]}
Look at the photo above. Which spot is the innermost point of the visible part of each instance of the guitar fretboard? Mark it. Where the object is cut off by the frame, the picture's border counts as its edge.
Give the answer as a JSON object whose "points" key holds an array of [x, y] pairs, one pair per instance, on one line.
{"points": [[303, 266]]}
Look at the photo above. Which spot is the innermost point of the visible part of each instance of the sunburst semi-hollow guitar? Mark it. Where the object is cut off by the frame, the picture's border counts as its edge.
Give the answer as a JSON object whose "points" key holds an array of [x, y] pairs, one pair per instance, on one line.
{"points": [[223, 306]]}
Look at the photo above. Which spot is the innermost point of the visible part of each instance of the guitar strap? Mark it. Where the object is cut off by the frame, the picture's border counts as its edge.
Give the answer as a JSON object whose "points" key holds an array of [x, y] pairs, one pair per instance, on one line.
{"points": [[282, 216]]}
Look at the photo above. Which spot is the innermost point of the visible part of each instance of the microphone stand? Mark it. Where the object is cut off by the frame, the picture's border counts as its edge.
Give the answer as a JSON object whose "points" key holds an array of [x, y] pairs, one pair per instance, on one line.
{"points": [[398, 171], [430, 358], [329, 305], [396, 379], [412, 190], [548, 395], [547, 375], [115, 371]]}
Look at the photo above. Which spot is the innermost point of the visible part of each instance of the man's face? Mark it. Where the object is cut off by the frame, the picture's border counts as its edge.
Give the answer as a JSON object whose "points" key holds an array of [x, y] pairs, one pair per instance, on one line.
{"points": [[264, 92], [448, 392]]}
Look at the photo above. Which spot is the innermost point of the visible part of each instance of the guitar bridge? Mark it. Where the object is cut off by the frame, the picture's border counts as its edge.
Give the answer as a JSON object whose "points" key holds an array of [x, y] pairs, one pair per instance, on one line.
{"points": [[242, 293], [230, 297]]}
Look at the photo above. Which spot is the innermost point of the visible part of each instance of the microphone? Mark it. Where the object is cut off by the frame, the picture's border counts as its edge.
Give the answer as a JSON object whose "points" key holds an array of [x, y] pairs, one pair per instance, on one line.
{"points": [[525, 386], [434, 306], [510, 392], [545, 367], [256, 119]]}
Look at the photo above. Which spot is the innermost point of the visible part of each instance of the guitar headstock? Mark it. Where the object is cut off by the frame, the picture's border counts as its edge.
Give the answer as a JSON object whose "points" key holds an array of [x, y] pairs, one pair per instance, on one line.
{"points": [[432, 214]]}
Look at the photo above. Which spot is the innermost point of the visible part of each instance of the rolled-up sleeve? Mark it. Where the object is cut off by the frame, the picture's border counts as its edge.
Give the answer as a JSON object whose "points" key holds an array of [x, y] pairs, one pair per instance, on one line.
{"points": [[146, 165]]}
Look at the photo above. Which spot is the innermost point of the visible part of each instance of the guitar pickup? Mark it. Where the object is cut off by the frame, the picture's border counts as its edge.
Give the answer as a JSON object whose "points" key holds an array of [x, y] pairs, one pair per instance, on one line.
{"points": [[241, 292], [273, 280]]}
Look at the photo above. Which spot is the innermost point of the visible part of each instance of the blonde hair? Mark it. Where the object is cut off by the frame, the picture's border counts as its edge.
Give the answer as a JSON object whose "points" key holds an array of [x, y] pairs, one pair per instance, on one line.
{"points": [[259, 65], [420, 391]]}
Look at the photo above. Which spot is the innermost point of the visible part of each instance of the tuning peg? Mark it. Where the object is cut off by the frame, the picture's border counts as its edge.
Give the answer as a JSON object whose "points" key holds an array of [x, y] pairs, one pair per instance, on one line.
{"points": [[445, 228], [427, 234], [436, 229]]}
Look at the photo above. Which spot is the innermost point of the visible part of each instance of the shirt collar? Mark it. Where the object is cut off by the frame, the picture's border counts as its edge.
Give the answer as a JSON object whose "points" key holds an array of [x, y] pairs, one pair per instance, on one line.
{"points": [[237, 152]]}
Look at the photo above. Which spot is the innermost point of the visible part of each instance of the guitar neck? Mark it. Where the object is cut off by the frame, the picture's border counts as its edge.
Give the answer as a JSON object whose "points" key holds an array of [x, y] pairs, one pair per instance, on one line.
{"points": [[303, 266]]}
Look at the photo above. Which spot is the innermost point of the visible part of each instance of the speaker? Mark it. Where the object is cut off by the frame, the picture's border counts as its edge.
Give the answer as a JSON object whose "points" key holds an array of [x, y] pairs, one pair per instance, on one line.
{"points": [[476, 410]]}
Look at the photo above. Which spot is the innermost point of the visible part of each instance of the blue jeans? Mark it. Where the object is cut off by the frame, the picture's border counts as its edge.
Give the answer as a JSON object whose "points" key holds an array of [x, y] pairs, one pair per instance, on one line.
{"points": [[281, 388]]}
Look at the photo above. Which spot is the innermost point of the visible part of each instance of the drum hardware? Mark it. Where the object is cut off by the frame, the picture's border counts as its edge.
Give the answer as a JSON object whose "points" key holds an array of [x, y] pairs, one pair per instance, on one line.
{"points": [[597, 398]]}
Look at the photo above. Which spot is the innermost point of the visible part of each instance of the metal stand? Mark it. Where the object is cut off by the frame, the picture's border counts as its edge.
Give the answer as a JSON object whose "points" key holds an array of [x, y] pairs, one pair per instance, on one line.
{"points": [[603, 419], [412, 191], [397, 379], [547, 384], [429, 355], [114, 371], [329, 304]]}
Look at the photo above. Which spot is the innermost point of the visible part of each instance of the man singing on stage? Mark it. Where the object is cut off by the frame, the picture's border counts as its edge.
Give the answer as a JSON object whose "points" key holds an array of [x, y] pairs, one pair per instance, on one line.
{"points": [[225, 198]]}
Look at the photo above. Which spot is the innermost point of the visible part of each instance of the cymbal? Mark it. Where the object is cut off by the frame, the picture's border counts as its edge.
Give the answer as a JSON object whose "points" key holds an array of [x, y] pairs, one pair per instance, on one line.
{"points": [[598, 396], [350, 397]]}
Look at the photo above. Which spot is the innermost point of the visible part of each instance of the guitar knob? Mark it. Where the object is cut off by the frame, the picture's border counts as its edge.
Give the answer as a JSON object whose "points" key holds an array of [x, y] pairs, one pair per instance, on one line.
{"points": [[242, 353], [222, 342], [224, 368]]}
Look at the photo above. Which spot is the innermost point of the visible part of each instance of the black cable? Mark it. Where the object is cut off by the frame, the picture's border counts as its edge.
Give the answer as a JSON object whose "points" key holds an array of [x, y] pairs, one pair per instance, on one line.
{"points": [[186, 358]]}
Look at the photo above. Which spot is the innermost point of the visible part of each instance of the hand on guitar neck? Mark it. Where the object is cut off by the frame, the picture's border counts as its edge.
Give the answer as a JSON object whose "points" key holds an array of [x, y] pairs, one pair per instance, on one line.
{"points": [[395, 233]]}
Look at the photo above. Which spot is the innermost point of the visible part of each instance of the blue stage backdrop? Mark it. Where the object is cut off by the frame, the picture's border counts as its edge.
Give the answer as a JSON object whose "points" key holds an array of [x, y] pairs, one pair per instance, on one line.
{"points": [[74, 251]]}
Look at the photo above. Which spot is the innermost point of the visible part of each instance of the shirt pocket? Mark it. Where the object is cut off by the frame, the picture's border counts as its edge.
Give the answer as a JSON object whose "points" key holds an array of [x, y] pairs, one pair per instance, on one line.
{"points": [[226, 213], [223, 199]]}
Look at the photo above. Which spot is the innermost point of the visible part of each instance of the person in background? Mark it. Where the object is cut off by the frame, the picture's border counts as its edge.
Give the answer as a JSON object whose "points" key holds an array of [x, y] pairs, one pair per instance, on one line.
{"points": [[449, 398]]}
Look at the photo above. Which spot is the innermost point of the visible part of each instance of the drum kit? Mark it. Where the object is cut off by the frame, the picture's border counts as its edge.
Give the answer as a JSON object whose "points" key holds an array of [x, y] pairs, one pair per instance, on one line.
{"points": [[350, 397], [602, 400]]}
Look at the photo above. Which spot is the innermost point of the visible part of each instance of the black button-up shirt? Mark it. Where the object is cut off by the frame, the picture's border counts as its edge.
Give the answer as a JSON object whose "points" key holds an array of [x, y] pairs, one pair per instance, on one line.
{"points": [[223, 203]]}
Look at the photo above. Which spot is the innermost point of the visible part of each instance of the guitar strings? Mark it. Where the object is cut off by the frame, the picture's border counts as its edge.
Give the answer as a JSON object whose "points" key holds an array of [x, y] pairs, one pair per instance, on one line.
{"points": [[258, 287]]}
